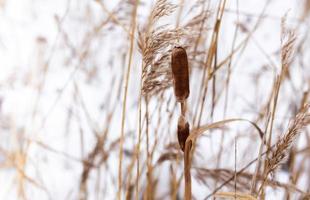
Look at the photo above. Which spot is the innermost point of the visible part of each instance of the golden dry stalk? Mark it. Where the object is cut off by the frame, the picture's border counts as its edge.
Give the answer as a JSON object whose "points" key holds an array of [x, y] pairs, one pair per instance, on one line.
{"points": [[179, 65]]}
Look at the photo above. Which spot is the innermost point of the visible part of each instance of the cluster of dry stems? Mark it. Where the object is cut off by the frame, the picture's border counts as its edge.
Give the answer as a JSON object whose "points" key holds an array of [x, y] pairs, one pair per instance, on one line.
{"points": [[169, 55]]}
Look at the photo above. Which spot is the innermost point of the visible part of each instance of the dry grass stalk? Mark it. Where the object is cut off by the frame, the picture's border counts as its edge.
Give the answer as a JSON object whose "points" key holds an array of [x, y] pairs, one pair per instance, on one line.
{"points": [[180, 71], [187, 170], [279, 154], [210, 58], [120, 164], [288, 39], [221, 175], [195, 133], [234, 195], [155, 76]]}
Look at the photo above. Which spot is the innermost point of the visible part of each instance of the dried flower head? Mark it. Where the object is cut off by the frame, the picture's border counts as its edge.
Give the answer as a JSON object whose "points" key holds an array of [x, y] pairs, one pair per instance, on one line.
{"points": [[179, 65], [280, 153], [183, 131]]}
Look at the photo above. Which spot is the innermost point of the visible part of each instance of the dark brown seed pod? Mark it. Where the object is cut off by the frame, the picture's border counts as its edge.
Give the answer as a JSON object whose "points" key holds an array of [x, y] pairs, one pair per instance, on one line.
{"points": [[179, 65], [183, 132]]}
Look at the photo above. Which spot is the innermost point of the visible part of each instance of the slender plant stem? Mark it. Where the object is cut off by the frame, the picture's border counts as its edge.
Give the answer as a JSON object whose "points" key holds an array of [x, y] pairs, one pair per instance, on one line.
{"points": [[133, 28]]}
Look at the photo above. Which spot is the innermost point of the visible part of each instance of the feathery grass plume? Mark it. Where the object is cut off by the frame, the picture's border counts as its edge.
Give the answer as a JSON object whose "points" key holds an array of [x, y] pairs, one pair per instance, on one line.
{"points": [[154, 43], [195, 22], [288, 39], [281, 150], [158, 76], [183, 131], [154, 38], [278, 155], [179, 65], [156, 72]]}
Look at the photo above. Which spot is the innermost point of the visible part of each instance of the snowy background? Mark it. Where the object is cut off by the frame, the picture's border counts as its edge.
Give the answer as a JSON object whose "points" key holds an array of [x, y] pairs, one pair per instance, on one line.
{"points": [[62, 65]]}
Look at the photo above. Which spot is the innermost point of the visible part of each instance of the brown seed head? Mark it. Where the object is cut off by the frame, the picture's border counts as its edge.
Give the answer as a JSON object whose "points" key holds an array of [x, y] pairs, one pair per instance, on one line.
{"points": [[183, 132], [179, 65]]}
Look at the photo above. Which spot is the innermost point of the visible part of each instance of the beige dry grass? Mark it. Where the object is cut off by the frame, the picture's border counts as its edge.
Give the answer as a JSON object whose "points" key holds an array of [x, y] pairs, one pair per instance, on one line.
{"points": [[186, 128]]}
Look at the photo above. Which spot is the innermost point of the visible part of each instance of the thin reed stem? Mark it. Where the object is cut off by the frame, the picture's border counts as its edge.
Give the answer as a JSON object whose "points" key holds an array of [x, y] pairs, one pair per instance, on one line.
{"points": [[133, 28]]}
